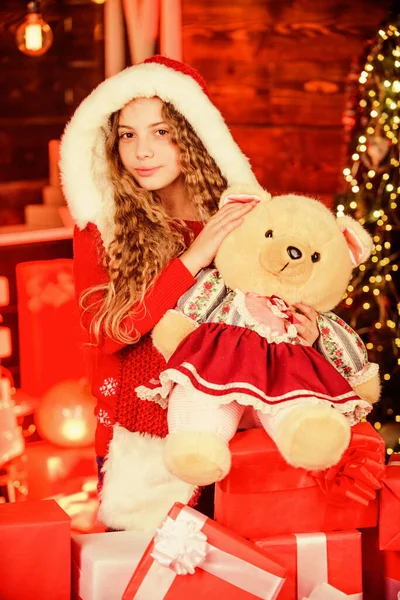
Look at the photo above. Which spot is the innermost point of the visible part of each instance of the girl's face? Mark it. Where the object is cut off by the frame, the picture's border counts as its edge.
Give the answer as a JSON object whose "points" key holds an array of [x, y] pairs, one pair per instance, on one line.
{"points": [[145, 145]]}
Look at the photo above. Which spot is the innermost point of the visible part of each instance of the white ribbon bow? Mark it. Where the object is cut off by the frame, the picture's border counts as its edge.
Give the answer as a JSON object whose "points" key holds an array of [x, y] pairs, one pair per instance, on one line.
{"points": [[180, 546]]}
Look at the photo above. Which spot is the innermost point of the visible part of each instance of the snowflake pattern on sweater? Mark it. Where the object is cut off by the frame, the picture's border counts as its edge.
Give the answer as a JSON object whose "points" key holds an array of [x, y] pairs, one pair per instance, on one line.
{"points": [[104, 418], [109, 387]]}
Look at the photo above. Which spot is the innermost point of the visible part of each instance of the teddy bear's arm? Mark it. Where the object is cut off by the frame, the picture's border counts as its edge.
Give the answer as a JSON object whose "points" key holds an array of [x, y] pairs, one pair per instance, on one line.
{"points": [[193, 308], [170, 331], [345, 350]]}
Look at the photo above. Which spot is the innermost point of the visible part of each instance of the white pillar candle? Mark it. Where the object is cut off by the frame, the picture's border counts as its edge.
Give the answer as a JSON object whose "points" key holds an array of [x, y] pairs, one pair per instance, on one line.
{"points": [[149, 20], [54, 160], [4, 291], [132, 15], [5, 342], [171, 29], [142, 26], [114, 46]]}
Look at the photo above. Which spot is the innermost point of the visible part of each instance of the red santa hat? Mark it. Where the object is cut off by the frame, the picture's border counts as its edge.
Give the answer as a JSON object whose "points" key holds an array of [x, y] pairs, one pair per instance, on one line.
{"points": [[83, 161], [180, 67]]}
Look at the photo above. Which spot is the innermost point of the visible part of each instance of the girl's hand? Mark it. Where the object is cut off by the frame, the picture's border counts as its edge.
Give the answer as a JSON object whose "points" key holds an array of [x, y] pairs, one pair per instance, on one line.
{"points": [[204, 248], [307, 328]]}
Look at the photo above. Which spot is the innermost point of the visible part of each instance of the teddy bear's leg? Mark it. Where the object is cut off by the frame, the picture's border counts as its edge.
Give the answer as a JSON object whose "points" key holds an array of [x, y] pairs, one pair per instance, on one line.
{"points": [[196, 449], [311, 436]]}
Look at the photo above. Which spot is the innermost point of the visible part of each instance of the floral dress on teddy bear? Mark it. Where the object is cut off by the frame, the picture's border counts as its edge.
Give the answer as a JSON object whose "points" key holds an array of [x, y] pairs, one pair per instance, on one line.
{"points": [[245, 357]]}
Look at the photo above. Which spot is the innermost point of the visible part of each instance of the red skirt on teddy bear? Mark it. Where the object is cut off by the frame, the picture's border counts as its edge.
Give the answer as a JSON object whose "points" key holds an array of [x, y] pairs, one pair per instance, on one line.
{"points": [[231, 363]]}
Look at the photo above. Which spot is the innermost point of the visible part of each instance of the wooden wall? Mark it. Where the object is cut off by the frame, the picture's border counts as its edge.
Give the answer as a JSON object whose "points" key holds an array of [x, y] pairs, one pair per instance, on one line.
{"points": [[277, 70]]}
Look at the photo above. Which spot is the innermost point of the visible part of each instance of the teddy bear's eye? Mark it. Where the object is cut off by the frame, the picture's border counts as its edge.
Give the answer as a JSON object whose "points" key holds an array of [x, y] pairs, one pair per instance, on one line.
{"points": [[268, 233], [315, 257]]}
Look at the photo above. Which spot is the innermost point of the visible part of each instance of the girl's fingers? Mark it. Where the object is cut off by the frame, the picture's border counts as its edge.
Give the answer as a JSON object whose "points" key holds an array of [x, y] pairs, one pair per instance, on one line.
{"points": [[306, 326], [230, 226], [306, 310], [221, 219], [244, 198], [237, 206], [301, 319], [305, 333], [301, 329]]}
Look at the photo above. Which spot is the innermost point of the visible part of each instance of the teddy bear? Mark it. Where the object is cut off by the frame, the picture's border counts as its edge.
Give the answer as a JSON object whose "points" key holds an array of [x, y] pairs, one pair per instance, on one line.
{"points": [[234, 357]]}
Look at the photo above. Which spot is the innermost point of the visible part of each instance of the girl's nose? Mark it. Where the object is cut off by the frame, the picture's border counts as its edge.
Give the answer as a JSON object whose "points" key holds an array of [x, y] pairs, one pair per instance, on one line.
{"points": [[143, 150]]}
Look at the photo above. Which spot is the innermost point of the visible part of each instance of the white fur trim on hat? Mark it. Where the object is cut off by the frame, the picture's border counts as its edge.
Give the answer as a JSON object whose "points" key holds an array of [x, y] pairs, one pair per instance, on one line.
{"points": [[138, 491], [83, 166]]}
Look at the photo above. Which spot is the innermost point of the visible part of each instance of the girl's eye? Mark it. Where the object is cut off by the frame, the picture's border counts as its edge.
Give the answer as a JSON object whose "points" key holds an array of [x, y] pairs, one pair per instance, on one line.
{"points": [[268, 234], [162, 132], [315, 257], [127, 135]]}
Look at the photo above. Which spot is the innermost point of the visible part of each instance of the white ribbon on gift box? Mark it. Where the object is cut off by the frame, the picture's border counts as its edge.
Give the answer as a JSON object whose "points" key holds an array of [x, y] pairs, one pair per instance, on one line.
{"points": [[327, 592], [173, 554], [312, 566]]}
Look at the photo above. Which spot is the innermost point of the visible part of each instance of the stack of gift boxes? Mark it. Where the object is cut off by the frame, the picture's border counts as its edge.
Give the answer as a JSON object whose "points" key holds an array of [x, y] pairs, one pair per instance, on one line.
{"points": [[389, 527], [279, 533]]}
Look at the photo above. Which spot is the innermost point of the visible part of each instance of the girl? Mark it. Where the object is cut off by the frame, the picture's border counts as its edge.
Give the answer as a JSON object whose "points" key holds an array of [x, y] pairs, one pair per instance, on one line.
{"points": [[144, 161]]}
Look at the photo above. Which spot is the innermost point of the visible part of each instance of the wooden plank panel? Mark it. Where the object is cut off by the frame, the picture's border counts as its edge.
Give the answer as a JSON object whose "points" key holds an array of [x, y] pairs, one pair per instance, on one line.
{"points": [[278, 63], [293, 159], [280, 107]]}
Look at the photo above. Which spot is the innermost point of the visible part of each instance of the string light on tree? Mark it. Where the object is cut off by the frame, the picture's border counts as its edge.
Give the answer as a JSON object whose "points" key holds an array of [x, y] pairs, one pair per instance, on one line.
{"points": [[371, 195]]}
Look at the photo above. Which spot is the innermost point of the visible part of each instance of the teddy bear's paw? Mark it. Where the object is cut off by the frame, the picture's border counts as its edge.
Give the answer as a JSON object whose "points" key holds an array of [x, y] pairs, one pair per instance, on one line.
{"points": [[370, 390], [170, 331], [197, 457], [313, 436]]}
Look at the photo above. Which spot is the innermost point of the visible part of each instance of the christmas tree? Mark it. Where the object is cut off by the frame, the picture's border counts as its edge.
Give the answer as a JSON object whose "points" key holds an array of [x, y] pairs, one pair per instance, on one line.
{"points": [[371, 195]]}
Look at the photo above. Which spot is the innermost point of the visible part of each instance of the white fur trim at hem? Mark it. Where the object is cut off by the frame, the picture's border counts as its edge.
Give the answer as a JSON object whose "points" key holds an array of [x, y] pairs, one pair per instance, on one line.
{"points": [[137, 490], [248, 395], [83, 163]]}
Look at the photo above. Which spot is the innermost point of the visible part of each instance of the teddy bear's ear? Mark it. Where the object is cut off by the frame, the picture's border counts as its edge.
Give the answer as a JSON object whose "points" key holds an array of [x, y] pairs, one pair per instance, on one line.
{"points": [[357, 238], [243, 193]]}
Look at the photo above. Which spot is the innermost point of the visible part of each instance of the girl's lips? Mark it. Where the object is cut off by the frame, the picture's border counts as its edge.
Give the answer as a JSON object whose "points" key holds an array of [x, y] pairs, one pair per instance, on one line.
{"points": [[146, 172]]}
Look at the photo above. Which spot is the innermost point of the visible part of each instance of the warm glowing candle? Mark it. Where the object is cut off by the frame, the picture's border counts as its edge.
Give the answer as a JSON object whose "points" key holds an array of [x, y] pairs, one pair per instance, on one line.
{"points": [[4, 292], [5, 342]]}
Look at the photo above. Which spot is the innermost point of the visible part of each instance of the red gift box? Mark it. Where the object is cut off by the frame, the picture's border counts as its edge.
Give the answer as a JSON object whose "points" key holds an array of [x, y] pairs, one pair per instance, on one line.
{"points": [[261, 487], [392, 575], [193, 557], [389, 518], [35, 544], [47, 313], [313, 559]]}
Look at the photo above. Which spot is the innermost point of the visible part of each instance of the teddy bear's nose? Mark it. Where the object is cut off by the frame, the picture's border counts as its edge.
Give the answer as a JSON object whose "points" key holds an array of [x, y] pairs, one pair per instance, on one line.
{"points": [[294, 252]]}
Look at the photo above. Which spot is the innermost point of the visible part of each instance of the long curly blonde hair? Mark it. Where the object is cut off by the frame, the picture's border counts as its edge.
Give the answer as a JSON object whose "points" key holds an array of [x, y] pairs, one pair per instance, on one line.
{"points": [[146, 237]]}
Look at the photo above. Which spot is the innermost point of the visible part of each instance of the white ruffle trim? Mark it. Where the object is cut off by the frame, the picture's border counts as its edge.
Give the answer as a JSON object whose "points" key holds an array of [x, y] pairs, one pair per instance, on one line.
{"points": [[368, 372], [239, 302], [353, 410]]}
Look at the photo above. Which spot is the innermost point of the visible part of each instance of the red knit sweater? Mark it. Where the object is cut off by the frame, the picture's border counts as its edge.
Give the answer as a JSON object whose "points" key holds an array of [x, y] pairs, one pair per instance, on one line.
{"points": [[117, 368]]}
